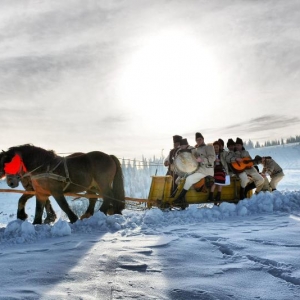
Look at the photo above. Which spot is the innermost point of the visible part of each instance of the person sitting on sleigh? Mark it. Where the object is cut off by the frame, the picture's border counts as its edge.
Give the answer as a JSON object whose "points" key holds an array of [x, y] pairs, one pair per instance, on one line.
{"points": [[205, 155]]}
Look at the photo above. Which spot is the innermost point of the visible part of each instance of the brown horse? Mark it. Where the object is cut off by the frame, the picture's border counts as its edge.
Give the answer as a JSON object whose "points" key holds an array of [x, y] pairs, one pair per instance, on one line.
{"points": [[27, 184], [95, 172]]}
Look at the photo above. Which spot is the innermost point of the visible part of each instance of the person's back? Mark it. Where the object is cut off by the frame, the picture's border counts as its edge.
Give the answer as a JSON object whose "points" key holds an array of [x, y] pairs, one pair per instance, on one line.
{"points": [[272, 168]]}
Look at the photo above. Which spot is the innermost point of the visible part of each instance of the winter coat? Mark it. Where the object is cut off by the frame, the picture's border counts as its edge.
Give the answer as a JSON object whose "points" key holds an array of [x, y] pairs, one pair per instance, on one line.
{"points": [[223, 155], [170, 160], [242, 154], [271, 167], [208, 156], [231, 156]]}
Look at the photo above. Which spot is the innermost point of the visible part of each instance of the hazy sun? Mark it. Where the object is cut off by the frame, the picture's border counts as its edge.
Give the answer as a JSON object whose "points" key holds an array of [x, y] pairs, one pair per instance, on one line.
{"points": [[170, 72]]}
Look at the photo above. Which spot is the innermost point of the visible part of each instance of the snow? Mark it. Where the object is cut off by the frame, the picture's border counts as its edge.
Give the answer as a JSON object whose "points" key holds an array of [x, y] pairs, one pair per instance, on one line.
{"points": [[244, 251]]}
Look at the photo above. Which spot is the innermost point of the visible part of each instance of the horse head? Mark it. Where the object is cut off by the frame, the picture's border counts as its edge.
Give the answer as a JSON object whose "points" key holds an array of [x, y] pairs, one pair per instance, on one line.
{"points": [[11, 166], [13, 180]]}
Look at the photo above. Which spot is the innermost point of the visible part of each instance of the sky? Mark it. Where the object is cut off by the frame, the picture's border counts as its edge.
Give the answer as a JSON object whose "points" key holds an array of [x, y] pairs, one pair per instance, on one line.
{"points": [[123, 77], [229, 252]]}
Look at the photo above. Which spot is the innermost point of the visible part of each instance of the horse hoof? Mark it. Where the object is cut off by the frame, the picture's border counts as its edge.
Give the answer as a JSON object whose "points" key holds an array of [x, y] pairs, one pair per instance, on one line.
{"points": [[22, 217], [85, 216], [110, 211], [36, 223], [50, 219]]}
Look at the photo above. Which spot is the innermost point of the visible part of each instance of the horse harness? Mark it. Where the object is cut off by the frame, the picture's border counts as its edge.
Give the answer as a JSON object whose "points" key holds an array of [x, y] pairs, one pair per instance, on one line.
{"points": [[16, 167], [51, 175]]}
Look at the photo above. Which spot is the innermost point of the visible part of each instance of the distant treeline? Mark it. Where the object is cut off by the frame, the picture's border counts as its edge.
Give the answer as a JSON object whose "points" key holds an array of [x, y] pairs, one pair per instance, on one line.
{"points": [[291, 140]]}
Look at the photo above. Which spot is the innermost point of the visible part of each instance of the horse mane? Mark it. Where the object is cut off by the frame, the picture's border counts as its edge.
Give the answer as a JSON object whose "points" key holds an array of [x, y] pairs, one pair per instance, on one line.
{"points": [[37, 153]]}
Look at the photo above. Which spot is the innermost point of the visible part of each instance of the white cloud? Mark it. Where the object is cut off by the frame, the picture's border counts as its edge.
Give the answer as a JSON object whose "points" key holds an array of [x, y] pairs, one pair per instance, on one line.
{"points": [[74, 73]]}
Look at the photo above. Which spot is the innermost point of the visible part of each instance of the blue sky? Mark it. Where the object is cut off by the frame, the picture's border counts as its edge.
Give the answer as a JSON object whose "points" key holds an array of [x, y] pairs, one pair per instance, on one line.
{"points": [[124, 76]]}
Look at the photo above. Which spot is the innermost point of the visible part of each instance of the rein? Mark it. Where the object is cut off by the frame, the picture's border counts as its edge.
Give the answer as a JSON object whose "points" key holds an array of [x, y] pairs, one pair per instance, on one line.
{"points": [[16, 168], [51, 175]]}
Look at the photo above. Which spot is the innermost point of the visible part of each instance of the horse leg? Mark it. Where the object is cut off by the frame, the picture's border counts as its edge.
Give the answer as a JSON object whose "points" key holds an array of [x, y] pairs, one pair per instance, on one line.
{"points": [[39, 209], [51, 215], [106, 206], [21, 214], [63, 204], [118, 206], [90, 210]]}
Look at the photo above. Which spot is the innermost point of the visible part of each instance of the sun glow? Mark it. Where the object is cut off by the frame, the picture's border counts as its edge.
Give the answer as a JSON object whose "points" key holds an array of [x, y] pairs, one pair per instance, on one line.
{"points": [[171, 72]]}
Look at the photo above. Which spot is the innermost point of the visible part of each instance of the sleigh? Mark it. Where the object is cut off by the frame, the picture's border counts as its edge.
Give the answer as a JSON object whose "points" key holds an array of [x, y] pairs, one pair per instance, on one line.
{"points": [[161, 186]]}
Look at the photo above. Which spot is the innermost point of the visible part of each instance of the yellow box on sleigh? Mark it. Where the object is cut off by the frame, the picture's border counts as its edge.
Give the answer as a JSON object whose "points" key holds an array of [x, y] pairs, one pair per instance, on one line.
{"points": [[161, 186]]}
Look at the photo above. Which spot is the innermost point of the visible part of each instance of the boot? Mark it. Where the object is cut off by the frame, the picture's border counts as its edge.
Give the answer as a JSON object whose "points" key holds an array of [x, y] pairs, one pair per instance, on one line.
{"points": [[217, 199], [242, 193], [180, 200], [211, 196], [248, 188]]}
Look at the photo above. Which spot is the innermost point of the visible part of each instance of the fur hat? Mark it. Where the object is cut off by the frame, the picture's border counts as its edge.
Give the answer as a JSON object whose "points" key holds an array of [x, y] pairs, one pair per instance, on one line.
{"points": [[177, 138], [198, 135], [230, 142], [258, 159], [239, 141], [221, 142], [183, 142]]}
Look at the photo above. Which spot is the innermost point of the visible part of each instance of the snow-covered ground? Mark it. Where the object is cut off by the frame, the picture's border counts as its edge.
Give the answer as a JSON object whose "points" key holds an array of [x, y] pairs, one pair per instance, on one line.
{"points": [[244, 251]]}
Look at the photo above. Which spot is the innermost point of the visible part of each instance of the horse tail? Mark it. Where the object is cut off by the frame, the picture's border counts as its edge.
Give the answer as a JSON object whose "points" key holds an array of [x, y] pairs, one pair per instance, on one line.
{"points": [[118, 187]]}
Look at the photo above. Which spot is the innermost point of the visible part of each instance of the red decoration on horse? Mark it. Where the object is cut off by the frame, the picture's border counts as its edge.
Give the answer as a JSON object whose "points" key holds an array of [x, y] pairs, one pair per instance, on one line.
{"points": [[15, 166]]}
